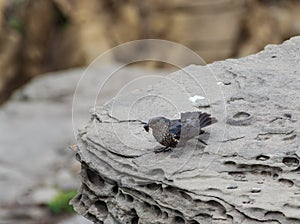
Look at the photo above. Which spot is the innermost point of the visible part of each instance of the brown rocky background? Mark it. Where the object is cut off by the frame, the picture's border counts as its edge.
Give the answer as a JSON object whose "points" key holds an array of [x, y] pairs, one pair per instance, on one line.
{"points": [[39, 36]]}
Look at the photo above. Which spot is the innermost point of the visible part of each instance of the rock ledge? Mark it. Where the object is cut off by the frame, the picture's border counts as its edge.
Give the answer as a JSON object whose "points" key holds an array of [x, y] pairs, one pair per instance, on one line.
{"points": [[249, 173]]}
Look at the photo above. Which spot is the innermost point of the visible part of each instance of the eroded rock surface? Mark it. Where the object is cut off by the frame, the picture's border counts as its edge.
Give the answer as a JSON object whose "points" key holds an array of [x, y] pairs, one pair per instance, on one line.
{"points": [[248, 173]]}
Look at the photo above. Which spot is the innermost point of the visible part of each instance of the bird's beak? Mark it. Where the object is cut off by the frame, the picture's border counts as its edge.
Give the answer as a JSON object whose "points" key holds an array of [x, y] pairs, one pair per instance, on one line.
{"points": [[146, 127]]}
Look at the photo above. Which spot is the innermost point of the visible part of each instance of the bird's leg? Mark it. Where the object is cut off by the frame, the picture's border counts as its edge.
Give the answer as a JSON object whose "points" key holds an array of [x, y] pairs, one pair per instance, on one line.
{"points": [[203, 142], [163, 149]]}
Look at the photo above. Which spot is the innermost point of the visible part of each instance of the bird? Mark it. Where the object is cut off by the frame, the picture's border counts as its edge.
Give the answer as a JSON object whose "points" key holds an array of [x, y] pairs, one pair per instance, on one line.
{"points": [[170, 133]]}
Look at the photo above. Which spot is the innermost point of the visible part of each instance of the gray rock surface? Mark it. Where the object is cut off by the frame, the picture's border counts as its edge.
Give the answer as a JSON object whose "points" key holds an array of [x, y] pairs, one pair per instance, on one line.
{"points": [[76, 220], [248, 173]]}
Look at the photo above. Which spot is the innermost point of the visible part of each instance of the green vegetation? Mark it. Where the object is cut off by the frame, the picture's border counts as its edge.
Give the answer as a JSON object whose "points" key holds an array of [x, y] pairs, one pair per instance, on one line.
{"points": [[17, 25], [60, 203]]}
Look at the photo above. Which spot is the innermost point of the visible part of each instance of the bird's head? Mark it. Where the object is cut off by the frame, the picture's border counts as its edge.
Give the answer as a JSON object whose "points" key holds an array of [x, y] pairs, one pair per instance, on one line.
{"points": [[157, 122]]}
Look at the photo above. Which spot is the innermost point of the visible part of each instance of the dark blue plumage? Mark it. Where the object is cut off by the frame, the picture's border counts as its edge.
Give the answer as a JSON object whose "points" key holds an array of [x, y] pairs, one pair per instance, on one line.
{"points": [[170, 132]]}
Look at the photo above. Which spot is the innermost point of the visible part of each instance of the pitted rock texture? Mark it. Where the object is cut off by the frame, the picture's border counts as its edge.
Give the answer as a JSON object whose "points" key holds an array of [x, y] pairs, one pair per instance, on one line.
{"points": [[248, 173]]}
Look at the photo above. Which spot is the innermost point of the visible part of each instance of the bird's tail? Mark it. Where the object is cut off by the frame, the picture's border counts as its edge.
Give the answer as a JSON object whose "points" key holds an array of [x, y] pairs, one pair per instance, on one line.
{"points": [[205, 119]]}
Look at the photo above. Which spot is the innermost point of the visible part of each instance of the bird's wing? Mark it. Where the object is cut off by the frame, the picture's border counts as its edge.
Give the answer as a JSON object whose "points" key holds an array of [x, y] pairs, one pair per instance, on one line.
{"points": [[175, 128], [197, 119], [190, 125]]}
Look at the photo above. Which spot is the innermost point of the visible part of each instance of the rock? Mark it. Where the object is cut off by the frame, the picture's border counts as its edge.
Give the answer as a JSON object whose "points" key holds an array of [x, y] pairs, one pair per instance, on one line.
{"points": [[248, 172], [76, 220], [36, 135], [43, 195], [65, 180], [24, 214]]}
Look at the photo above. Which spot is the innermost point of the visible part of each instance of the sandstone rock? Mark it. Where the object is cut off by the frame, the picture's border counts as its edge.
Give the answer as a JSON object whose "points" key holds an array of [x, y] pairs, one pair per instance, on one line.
{"points": [[248, 172]]}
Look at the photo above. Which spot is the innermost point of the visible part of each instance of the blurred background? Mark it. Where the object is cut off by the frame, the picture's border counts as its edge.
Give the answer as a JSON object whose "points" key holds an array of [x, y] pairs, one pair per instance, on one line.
{"points": [[38, 36], [44, 48]]}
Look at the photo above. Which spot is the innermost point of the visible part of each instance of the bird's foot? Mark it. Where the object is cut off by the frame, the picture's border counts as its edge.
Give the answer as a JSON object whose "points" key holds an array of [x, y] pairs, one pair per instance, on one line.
{"points": [[163, 149], [203, 142]]}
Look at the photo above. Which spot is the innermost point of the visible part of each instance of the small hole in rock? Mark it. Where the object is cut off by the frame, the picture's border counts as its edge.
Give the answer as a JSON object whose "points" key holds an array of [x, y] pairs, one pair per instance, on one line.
{"points": [[232, 187], [246, 202], [255, 190], [115, 189], [157, 210], [129, 198], [287, 182], [165, 215], [77, 157], [179, 213], [147, 205], [94, 178], [170, 190], [153, 186], [229, 162], [194, 222], [179, 220], [290, 161], [186, 196], [135, 220], [275, 176], [274, 213], [101, 207], [217, 205], [91, 217], [226, 83], [274, 56], [241, 115]]}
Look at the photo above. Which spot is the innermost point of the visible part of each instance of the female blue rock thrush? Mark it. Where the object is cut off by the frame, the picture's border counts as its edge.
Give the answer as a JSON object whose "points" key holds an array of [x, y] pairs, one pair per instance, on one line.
{"points": [[170, 132]]}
